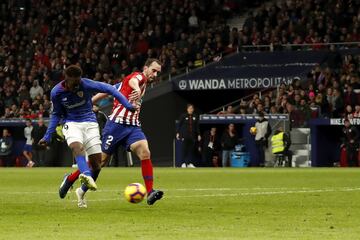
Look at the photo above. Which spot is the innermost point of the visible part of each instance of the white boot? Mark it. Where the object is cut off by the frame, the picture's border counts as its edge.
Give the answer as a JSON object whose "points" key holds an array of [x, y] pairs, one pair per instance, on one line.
{"points": [[183, 165], [190, 165], [80, 194]]}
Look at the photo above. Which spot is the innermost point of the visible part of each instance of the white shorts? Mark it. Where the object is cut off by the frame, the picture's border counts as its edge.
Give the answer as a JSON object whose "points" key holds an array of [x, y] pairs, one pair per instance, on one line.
{"points": [[86, 133]]}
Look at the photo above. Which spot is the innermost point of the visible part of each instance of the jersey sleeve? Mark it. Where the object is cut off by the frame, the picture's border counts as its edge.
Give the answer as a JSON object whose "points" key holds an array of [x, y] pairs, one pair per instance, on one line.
{"points": [[109, 89], [118, 85], [138, 77], [56, 114]]}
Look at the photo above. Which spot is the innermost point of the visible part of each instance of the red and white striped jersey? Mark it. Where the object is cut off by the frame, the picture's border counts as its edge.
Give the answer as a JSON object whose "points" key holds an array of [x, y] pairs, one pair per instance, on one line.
{"points": [[119, 113]]}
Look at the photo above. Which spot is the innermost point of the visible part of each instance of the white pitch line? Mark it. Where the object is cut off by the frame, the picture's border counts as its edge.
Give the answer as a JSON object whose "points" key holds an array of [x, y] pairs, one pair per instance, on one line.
{"points": [[288, 190], [175, 189], [245, 194], [268, 193]]}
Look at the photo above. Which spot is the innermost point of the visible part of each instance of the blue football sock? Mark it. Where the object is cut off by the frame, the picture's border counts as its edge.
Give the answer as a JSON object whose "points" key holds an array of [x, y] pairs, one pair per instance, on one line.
{"points": [[95, 175], [83, 165]]}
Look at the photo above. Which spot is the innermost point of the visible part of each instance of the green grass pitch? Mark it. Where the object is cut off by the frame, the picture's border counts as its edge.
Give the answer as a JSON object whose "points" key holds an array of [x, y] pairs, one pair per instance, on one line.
{"points": [[198, 204]]}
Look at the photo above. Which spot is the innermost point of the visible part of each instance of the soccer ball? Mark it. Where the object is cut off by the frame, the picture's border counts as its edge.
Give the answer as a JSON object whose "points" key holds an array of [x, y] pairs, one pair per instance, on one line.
{"points": [[135, 192], [253, 130]]}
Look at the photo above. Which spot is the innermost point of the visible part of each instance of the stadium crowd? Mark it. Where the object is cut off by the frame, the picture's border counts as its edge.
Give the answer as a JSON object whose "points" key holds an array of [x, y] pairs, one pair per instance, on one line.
{"points": [[111, 41], [108, 39], [301, 22]]}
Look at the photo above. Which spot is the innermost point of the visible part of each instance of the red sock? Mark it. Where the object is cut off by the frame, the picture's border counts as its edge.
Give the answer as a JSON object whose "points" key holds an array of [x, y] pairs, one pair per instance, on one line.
{"points": [[147, 172], [75, 175]]}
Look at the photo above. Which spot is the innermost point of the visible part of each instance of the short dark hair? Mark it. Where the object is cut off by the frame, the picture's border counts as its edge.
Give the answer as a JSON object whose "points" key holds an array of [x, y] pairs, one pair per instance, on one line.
{"points": [[73, 71], [149, 61]]}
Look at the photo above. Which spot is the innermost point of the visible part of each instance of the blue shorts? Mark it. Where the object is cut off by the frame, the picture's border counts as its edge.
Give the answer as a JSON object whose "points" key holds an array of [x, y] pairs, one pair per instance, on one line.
{"points": [[27, 148], [115, 134]]}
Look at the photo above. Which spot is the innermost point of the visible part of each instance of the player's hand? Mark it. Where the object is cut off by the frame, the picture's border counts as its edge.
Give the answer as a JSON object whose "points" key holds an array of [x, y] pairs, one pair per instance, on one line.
{"points": [[42, 142], [135, 106], [178, 136], [135, 95]]}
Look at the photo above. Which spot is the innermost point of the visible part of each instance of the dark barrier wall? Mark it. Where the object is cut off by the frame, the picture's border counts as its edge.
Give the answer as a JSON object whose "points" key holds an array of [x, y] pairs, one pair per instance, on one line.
{"points": [[57, 155], [242, 129], [157, 118], [325, 141], [256, 70]]}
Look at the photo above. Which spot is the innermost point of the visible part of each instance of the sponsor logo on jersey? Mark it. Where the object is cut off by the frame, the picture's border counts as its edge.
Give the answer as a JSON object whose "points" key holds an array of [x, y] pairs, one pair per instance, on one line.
{"points": [[80, 94]]}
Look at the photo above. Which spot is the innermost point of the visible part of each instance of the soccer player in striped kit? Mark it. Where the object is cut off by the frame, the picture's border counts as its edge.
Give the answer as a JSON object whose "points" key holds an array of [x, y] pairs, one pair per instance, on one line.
{"points": [[124, 128]]}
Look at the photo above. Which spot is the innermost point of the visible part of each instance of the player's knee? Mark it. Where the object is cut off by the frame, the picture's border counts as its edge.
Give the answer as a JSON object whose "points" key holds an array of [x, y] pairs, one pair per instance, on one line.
{"points": [[96, 165], [78, 150], [104, 159], [145, 154]]}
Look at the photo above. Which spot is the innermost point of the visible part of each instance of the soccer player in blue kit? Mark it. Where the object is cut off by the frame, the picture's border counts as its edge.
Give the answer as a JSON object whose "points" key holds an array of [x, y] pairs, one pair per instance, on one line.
{"points": [[72, 103]]}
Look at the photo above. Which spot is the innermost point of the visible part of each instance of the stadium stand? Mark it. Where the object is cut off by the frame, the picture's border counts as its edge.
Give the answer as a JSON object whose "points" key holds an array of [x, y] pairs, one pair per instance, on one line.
{"points": [[109, 39]]}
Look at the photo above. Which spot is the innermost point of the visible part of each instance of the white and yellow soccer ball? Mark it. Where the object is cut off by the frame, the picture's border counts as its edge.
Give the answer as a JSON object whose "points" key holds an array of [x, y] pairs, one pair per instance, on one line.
{"points": [[135, 192], [253, 130]]}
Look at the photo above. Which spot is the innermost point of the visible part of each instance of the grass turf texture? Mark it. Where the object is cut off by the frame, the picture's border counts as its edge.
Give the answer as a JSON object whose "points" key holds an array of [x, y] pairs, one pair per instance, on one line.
{"points": [[198, 204]]}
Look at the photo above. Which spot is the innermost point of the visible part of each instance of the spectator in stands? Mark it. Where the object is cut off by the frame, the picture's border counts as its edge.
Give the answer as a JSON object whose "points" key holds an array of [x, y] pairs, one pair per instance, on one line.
{"points": [[297, 117], [229, 111], [39, 151], [189, 133], [348, 112], [350, 97], [338, 106], [350, 141], [305, 111], [6, 147], [267, 104], [27, 151], [209, 147], [36, 90], [263, 131], [242, 111], [229, 139], [357, 111]]}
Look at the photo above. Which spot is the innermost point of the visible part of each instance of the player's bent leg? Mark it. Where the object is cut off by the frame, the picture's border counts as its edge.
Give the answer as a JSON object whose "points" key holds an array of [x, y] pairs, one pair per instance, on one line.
{"points": [[95, 163], [104, 159], [67, 183], [80, 194], [78, 151], [141, 149], [85, 176]]}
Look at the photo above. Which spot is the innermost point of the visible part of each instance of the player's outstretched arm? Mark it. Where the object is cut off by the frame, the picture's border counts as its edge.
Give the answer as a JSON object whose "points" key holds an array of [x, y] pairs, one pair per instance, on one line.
{"points": [[55, 117], [109, 89], [98, 97]]}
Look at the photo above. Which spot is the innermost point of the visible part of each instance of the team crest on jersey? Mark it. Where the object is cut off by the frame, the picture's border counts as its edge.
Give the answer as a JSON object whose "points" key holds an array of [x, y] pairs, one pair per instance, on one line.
{"points": [[80, 94]]}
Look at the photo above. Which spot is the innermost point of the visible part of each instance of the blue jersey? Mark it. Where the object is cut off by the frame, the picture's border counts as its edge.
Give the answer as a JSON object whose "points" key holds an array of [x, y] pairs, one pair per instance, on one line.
{"points": [[76, 106]]}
